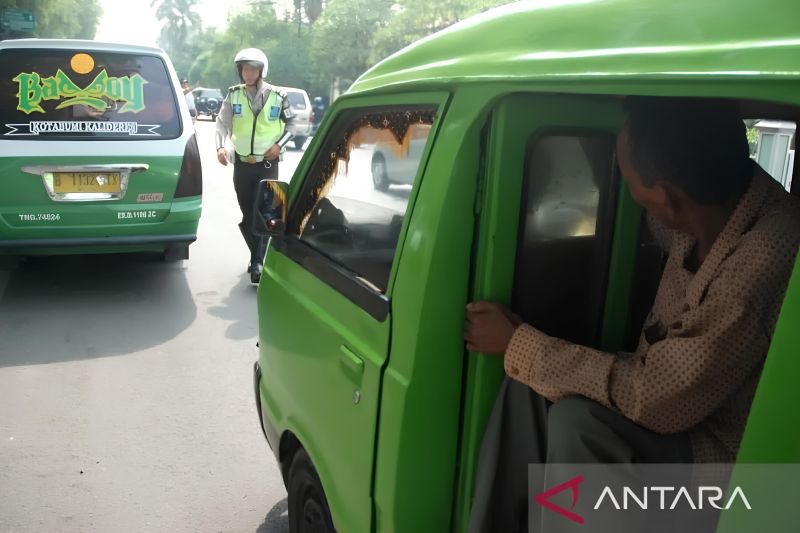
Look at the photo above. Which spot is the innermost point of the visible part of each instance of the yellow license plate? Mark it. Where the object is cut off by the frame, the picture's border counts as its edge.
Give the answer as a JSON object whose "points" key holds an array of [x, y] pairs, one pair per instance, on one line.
{"points": [[66, 182]]}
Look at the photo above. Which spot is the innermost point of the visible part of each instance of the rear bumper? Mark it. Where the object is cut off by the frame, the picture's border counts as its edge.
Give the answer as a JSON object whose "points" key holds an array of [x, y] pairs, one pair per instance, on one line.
{"points": [[97, 241], [303, 129]]}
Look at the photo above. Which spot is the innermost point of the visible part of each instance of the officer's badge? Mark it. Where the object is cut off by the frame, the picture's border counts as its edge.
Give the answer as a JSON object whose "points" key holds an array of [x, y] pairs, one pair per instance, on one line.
{"points": [[237, 110], [274, 112]]}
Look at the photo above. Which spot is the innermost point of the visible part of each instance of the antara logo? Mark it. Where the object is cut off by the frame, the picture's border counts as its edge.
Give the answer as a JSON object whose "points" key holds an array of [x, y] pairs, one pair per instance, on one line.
{"points": [[33, 89], [655, 497], [543, 499]]}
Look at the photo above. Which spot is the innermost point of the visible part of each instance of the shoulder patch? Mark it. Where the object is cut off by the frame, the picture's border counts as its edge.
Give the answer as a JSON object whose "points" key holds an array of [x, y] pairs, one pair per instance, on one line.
{"points": [[277, 90], [235, 87]]}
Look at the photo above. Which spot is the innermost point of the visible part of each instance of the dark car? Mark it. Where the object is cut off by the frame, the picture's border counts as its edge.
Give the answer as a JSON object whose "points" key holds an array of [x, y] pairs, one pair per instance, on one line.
{"points": [[208, 101]]}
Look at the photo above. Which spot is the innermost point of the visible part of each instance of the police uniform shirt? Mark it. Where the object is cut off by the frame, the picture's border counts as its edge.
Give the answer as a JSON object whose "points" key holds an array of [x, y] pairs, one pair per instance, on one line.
{"points": [[257, 101]]}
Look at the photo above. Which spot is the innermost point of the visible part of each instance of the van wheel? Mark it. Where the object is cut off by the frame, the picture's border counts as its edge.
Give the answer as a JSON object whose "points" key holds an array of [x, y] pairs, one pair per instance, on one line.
{"points": [[308, 507], [380, 179], [299, 141]]}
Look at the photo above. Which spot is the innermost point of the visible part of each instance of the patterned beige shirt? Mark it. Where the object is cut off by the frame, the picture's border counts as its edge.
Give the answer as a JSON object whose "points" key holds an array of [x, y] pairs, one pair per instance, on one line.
{"points": [[704, 342]]}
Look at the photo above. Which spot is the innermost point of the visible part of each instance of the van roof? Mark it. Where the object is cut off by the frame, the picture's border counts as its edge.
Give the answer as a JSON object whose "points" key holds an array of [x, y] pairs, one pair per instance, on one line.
{"points": [[568, 40], [80, 44]]}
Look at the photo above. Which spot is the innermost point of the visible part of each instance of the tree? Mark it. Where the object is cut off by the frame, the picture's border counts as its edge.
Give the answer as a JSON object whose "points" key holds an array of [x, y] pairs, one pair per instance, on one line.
{"points": [[415, 19], [287, 52], [342, 39], [180, 26], [59, 19]]}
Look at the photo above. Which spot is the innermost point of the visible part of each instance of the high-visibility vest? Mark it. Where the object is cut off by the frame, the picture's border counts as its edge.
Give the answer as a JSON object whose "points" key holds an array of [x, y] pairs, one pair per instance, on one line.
{"points": [[255, 134]]}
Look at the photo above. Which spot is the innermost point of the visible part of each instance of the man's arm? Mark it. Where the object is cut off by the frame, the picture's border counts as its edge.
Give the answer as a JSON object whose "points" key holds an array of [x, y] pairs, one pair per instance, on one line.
{"points": [[676, 382], [672, 387], [223, 128], [287, 116]]}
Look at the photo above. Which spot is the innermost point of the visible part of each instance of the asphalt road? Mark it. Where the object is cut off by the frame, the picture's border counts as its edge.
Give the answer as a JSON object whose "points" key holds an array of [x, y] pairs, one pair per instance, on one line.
{"points": [[126, 397]]}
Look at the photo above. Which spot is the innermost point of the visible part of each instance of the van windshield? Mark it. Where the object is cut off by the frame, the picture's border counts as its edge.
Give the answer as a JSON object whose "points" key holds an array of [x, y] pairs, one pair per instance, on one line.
{"points": [[51, 94]]}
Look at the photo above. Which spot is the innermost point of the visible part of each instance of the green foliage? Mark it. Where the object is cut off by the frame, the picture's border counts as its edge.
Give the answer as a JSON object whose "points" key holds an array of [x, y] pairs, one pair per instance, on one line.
{"points": [[322, 45], [752, 139], [181, 31], [415, 19], [342, 38], [60, 19]]}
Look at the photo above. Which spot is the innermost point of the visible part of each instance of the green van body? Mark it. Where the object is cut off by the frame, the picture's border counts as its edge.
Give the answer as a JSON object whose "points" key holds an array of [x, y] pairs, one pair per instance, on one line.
{"points": [[376, 386], [153, 152]]}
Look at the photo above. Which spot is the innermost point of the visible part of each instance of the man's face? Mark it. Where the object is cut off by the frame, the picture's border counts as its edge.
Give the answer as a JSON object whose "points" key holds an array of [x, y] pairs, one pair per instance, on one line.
{"points": [[653, 199], [250, 74]]}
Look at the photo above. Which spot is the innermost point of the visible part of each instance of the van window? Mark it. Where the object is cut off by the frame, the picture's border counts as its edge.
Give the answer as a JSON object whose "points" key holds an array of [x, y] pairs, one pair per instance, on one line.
{"points": [[71, 94], [772, 146], [297, 100], [345, 215], [564, 239]]}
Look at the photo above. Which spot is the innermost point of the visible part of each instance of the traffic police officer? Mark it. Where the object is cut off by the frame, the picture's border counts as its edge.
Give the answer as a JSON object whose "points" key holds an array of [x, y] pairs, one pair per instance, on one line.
{"points": [[254, 115]]}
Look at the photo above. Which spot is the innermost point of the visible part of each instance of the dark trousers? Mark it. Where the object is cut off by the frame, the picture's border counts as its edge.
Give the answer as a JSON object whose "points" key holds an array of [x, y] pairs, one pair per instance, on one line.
{"points": [[524, 428], [245, 181]]}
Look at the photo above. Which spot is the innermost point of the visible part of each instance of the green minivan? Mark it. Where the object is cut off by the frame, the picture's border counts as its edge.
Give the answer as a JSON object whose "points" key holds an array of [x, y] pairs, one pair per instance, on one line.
{"points": [[97, 151], [365, 392]]}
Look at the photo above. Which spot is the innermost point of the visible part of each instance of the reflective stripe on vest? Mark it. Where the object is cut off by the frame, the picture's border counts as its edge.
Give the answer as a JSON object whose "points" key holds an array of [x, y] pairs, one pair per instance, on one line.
{"points": [[267, 130]]}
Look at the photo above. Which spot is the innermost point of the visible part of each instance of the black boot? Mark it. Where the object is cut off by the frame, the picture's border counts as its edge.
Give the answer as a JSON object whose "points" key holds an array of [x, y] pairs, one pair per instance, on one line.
{"points": [[255, 272]]}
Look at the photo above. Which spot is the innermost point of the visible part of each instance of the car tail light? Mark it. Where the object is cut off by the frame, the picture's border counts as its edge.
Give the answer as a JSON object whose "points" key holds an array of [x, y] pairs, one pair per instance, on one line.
{"points": [[190, 179], [312, 117]]}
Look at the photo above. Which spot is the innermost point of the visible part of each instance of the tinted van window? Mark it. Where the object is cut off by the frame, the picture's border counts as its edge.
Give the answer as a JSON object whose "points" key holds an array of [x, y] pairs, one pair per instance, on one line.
{"points": [[70, 94], [565, 234]]}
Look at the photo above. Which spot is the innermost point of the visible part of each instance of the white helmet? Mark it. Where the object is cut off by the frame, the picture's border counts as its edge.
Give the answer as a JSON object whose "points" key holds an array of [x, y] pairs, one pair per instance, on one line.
{"points": [[252, 55]]}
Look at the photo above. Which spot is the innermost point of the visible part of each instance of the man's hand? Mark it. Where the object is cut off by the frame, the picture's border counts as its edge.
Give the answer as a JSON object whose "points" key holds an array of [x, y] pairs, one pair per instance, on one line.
{"points": [[489, 327], [273, 152], [222, 156]]}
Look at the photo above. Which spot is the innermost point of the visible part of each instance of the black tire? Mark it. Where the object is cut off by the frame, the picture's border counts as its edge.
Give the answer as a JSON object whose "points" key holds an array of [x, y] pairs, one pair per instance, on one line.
{"points": [[380, 178], [299, 141], [308, 507]]}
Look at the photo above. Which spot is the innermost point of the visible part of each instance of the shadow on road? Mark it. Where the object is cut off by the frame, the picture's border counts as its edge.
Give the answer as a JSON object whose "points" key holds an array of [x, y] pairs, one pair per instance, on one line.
{"points": [[63, 308], [277, 519], [239, 308]]}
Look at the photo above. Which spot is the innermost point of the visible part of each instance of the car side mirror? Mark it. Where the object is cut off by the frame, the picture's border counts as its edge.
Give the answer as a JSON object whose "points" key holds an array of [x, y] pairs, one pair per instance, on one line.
{"points": [[270, 208]]}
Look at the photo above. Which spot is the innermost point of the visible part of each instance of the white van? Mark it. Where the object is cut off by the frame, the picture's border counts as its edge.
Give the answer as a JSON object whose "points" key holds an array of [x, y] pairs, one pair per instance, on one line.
{"points": [[303, 121]]}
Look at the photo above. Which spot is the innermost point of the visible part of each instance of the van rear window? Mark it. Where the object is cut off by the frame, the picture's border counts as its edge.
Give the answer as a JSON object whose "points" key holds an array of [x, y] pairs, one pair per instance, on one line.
{"points": [[296, 100], [73, 94]]}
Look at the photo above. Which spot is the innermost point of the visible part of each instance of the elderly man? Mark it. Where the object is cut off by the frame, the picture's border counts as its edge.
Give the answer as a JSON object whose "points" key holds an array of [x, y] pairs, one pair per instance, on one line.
{"points": [[732, 234]]}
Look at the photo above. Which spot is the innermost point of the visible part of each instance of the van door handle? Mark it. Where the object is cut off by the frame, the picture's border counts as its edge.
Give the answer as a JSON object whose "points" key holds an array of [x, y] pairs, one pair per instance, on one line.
{"points": [[351, 363]]}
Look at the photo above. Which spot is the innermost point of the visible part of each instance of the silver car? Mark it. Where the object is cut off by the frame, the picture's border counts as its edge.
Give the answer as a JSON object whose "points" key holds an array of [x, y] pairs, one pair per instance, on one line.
{"points": [[390, 167], [302, 123]]}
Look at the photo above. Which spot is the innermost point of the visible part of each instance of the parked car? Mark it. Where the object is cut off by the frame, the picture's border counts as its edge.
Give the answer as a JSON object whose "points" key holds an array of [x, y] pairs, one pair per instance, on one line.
{"points": [[302, 123], [393, 164], [372, 406], [97, 151], [208, 101]]}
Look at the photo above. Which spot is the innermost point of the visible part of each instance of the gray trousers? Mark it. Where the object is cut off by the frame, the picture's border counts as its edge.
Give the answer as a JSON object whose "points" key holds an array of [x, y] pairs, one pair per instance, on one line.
{"points": [[525, 428]]}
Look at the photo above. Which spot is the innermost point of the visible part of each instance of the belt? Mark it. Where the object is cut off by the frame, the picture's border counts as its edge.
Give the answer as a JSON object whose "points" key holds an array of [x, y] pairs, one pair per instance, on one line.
{"points": [[250, 158]]}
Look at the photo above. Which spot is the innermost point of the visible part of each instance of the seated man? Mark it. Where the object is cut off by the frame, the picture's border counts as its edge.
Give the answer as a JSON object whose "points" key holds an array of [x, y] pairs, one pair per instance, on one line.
{"points": [[732, 233]]}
